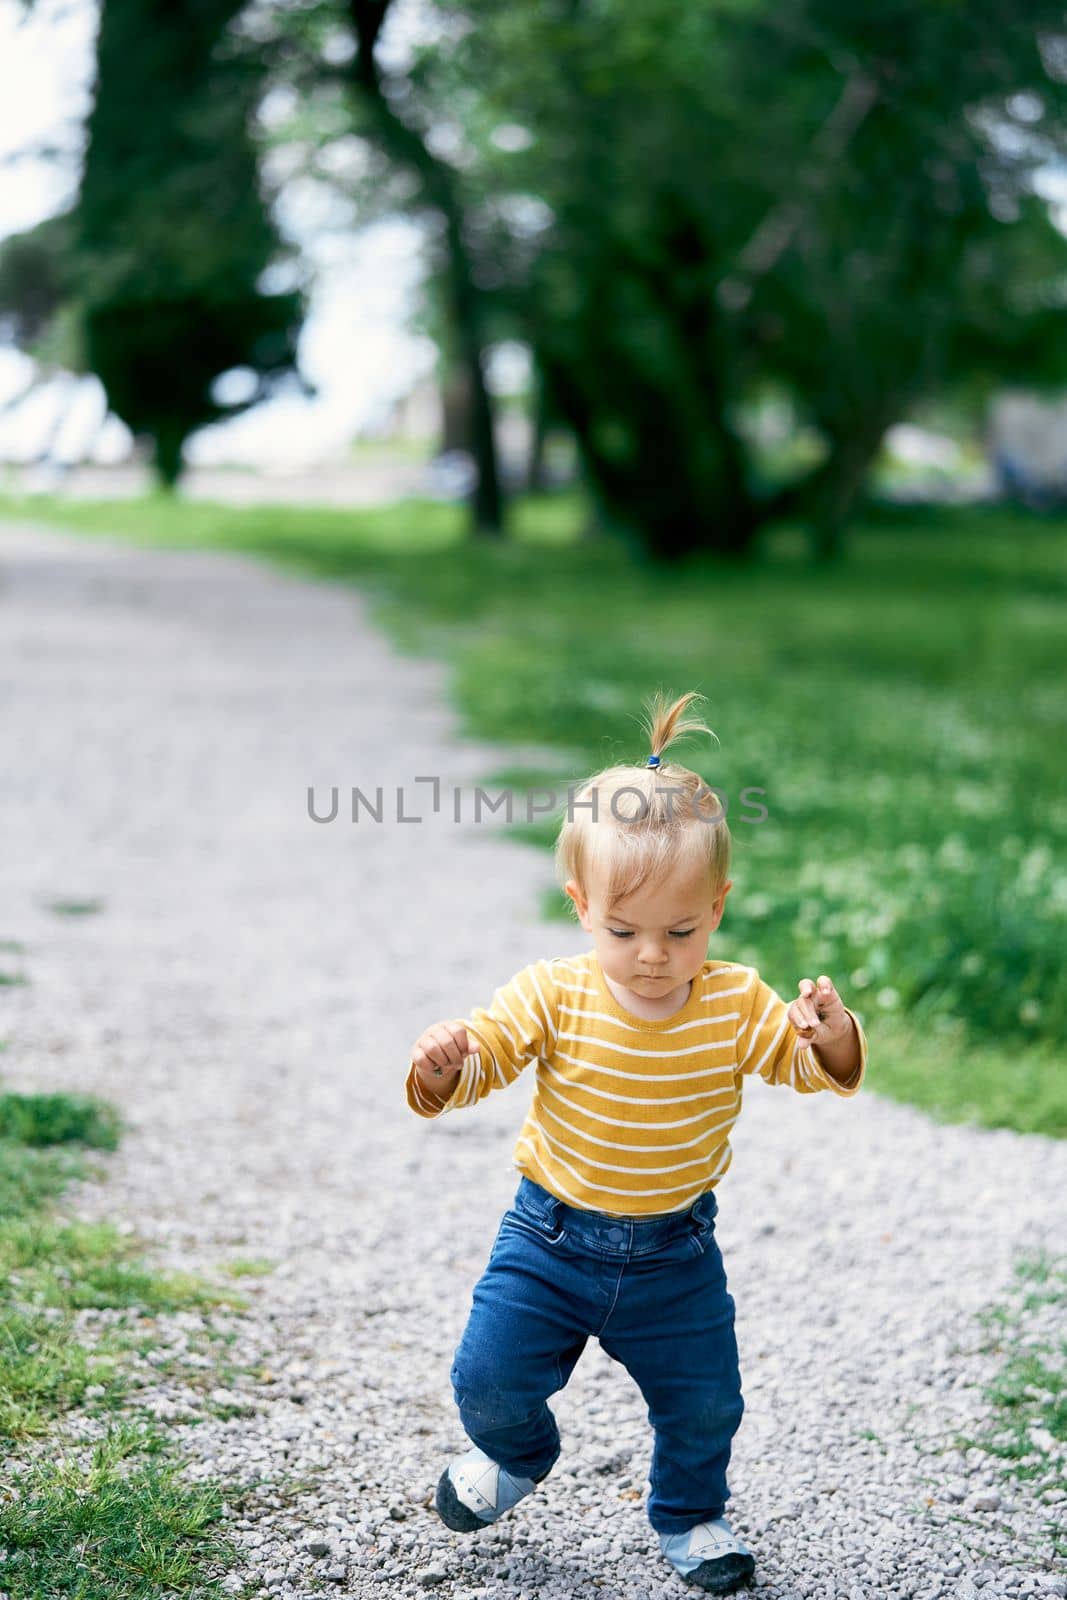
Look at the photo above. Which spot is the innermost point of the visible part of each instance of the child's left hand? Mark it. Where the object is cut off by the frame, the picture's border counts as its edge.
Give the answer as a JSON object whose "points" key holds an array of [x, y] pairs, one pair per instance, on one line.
{"points": [[819, 1016]]}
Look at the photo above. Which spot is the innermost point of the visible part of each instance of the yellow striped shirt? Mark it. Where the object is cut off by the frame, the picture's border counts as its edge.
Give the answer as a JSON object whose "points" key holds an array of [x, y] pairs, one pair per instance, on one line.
{"points": [[630, 1117]]}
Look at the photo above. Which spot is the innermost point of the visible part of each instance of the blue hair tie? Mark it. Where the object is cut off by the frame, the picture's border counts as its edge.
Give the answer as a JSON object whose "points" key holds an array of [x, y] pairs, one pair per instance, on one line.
{"points": [[653, 761]]}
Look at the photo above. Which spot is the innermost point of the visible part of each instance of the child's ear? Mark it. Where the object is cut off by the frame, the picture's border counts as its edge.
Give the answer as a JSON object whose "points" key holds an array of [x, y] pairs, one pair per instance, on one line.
{"points": [[720, 903], [581, 905]]}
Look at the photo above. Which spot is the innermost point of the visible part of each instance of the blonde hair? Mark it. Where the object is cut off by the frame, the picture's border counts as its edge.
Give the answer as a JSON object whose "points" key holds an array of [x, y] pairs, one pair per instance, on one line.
{"points": [[640, 830]]}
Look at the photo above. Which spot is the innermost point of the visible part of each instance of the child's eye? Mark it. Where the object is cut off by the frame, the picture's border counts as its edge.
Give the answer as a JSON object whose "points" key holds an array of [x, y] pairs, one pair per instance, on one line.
{"points": [[684, 935], [619, 933]]}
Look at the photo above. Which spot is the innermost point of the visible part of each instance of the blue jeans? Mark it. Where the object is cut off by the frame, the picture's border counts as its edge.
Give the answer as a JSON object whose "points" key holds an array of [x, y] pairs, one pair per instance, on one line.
{"points": [[653, 1291]]}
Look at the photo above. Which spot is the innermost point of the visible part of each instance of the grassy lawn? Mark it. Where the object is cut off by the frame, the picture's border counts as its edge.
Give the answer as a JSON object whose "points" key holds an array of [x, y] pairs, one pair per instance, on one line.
{"points": [[902, 718], [98, 1509], [1026, 1428]]}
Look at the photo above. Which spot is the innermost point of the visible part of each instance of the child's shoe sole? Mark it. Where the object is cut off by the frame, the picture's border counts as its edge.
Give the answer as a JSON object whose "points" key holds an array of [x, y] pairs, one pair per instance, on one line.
{"points": [[451, 1510], [475, 1490], [710, 1557], [721, 1575]]}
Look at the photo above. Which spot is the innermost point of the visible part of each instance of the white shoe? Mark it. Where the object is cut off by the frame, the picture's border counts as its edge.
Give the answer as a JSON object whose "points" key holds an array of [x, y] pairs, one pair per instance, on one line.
{"points": [[710, 1555], [475, 1490]]}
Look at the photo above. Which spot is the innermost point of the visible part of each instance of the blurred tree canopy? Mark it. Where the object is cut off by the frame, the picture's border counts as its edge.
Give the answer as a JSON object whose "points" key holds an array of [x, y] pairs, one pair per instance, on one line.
{"points": [[684, 208], [681, 209], [731, 195], [170, 223], [154, 277]]}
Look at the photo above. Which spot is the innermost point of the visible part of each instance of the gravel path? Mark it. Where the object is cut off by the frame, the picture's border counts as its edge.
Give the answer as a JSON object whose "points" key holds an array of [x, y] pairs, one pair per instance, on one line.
{"points": [[248, 995]]}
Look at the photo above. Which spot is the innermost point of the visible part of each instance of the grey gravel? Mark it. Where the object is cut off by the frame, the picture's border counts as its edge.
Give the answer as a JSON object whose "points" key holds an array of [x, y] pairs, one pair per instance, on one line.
{"points": [[248, 995]]}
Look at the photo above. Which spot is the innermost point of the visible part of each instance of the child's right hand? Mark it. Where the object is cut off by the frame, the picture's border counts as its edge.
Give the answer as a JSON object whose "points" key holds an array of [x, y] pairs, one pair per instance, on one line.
{"points": [[444, 1047]]}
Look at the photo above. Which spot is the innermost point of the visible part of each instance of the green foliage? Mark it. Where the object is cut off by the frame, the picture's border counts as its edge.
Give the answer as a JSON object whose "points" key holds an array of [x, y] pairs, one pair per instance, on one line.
{"points": [[156, 273], [30, 1177], [37, 280], [75, 908], [1027, 1430], [952, 1075], [731, 198], [683, 209], [122, 1526], [50, 1270], [249, 1267], [112, 1519], [157, 290], [78, 1264], [39, 1119], [43, 1372]]}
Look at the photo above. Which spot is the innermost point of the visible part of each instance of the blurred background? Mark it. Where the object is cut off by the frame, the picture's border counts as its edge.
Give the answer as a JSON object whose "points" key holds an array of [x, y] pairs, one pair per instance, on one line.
{"points": [[717, 346], [716, 266]]}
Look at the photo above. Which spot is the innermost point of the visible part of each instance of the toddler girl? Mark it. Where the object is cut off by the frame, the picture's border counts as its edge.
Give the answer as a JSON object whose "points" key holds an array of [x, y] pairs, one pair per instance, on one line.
{"points": [[641, 1048]]}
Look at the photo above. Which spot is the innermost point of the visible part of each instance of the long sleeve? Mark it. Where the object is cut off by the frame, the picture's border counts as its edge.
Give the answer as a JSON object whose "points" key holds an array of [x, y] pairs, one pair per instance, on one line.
{"points": [[519, 1025], [768, 1043]]}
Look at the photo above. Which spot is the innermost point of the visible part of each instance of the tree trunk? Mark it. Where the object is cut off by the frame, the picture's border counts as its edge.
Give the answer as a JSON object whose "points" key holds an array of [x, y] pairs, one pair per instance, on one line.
{"points": [[536, 481], [406, 146], [832, 508], [455, 409], [167, 457], [486, 502], [680, 484], [651, 415], [829, 496]]}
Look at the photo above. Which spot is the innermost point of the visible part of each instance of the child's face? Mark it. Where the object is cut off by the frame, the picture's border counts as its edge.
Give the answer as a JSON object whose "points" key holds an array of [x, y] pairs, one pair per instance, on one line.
{"points": [[657, 939]]}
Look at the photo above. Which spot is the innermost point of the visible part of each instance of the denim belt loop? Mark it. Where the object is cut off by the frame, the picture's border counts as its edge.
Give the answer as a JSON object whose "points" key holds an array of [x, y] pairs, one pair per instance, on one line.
{"points": [[538, 1200]]}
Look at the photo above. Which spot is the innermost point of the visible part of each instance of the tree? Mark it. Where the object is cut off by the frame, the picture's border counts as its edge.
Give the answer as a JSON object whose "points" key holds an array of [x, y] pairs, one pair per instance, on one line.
{"points": [[38, 306], [407, 144], [350, 89], [796, 192], [171, 235]]}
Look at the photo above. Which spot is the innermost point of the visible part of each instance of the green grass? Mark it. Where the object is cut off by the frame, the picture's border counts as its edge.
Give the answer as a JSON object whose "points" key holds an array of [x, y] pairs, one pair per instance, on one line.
{"points": [[75, 908], [249, 1267], [111, 1520], [121, 1526], [49, 1119], [29, 1178], [901, 715], [1028, 1429], [36, 1161], [953, 1077], [51, 1269]]}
